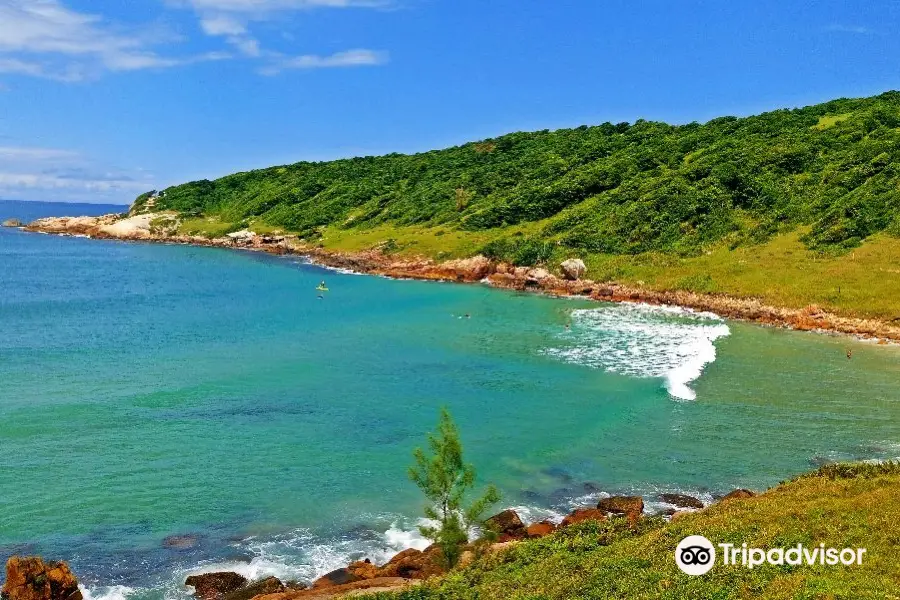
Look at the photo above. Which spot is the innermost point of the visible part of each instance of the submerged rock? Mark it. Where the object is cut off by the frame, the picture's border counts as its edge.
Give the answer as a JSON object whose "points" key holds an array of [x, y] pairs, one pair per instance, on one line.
{"points": [[180, 542], [214, 586], [30, 578], [508, 525], [681, 500], [573, 268]]}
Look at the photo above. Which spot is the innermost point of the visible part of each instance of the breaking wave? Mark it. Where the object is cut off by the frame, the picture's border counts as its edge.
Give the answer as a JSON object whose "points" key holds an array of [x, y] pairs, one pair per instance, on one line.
{"points": [[643, 340]]}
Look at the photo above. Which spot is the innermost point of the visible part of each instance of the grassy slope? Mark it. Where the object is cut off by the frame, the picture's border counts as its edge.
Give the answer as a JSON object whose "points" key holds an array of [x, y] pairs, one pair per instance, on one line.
{"points": [[856, 508]]}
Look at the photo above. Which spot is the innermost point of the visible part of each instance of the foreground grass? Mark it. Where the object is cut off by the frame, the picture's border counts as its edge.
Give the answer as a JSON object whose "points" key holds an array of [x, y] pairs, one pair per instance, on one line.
{"points": [[855, 506]]}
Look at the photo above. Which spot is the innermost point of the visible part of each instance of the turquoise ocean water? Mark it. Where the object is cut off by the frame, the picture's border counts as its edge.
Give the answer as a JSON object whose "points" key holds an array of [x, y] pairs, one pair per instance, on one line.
{"points": [[151, 391]]}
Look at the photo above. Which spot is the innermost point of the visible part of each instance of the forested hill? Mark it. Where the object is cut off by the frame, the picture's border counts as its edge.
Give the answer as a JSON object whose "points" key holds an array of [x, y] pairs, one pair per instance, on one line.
{"points": [[615, 189]]}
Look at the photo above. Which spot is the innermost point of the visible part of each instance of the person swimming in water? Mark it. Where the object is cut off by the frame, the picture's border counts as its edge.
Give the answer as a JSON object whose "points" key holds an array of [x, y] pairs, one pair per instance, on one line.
{"points": [[849, 354]]}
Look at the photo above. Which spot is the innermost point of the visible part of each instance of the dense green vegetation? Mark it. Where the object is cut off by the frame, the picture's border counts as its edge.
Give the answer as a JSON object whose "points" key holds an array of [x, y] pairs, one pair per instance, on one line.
{"points": [[621, 189], [841, 506]]}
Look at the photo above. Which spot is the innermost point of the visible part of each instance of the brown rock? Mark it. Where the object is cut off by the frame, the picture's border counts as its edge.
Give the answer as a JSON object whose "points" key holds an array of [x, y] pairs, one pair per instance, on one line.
{"points": [[583, 514], [738, 494], [269, 585], [214, 586], [363, 569], [681, 500], [12, 223], [365, 586], [630, 506], [336, 577], [508, 525], [539, 530], [573, 268], [30, 578], [414, 564]]}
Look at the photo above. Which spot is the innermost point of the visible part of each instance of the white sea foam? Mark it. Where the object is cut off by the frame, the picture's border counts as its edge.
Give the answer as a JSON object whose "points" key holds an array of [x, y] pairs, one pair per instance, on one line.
{"points": [[113, 592], [642, 340]]}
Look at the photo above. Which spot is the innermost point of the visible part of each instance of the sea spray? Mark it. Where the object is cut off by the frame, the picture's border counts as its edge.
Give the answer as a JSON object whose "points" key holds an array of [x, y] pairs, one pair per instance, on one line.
{"points": [[643, 340]]}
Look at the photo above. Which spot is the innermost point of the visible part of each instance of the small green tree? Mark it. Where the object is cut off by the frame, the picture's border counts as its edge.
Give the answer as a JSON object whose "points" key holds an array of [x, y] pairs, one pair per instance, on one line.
{"points": [[445, 480]]}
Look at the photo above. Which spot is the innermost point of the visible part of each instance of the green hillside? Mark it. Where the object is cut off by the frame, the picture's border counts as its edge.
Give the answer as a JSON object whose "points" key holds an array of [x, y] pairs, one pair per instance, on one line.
{"points": [[620, 189], [638, 201]]}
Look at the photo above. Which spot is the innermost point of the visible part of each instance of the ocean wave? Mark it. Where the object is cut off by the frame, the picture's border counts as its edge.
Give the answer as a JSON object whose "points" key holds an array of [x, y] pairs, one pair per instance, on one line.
{"points": [[643, 340], [112, 592]]}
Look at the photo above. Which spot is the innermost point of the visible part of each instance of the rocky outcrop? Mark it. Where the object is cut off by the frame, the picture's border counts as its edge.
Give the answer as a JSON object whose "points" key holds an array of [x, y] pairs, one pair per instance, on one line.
{"points": [[630, 506], [573, 269], [215, 586], [269, 585], [507, 525], [681, 500], [539, 530], [364, 586], [468, 269], [12, 223], [738, 494], [30, 578], [583, 514], [414, 564], [337, 577]]}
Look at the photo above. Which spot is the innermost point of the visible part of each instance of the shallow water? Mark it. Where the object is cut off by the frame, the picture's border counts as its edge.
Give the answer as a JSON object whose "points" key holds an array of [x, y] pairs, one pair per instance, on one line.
{"points": [[149, 391]]}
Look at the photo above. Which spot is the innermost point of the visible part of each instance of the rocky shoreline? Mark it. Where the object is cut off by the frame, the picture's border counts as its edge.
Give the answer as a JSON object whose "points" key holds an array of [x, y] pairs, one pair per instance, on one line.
{"points": [[31, 578], [568, 280]]}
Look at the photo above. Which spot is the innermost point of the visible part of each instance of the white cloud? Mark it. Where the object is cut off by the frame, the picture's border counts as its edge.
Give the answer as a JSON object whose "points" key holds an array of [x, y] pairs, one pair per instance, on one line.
{"points": [[349, 58], [41, 173], [857, 29], [31, 153], [9, 181], [231, 19], [43, 38]]}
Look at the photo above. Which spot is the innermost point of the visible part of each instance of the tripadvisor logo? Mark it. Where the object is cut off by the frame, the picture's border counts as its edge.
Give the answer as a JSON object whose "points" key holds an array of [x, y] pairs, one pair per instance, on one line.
{"points": [[696, 555]]}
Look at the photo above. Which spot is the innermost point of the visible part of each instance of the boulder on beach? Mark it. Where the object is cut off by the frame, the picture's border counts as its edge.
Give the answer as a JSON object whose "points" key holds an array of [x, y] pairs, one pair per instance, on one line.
{"points": [[630, 506], [13, 223], [539, 530], [214, 586], [30, 578], [573, 269], [414, 564], [681, 500], [508, 525], [469, 269], [583, 514], [738, 494]]}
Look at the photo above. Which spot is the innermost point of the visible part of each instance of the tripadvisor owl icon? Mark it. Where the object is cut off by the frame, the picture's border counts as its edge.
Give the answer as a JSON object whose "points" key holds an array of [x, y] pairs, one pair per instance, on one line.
{"points": [[695, 555]]}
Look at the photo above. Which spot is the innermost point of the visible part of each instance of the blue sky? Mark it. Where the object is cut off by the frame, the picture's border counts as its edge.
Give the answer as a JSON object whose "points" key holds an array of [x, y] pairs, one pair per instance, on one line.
{"points": [[103, 99]]}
